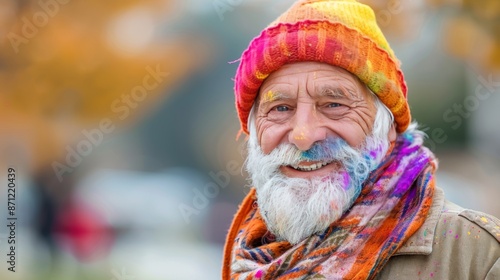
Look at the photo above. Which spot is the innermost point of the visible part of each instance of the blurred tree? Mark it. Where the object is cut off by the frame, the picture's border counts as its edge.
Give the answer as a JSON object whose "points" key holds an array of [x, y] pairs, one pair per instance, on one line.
{"points": [[471, 28], [473, 32], [66, 65]]}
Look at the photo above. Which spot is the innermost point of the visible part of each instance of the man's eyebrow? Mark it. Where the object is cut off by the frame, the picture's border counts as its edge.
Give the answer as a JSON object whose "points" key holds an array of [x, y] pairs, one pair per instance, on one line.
{"points": [[271, 96], [336, 92]]}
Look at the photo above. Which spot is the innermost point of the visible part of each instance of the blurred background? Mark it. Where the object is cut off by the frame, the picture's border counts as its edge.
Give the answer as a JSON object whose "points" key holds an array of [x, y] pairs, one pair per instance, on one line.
{"points": [[118, 118]]}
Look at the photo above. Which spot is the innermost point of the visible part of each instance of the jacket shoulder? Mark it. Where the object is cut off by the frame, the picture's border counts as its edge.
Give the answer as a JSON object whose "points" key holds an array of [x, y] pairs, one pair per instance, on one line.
{"points": [[465, 244], [487, 222], [469, 242]]}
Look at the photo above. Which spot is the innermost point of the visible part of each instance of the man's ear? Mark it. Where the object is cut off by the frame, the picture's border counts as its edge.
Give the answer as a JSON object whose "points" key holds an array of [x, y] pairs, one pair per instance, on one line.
{"points": [[392, 132]]}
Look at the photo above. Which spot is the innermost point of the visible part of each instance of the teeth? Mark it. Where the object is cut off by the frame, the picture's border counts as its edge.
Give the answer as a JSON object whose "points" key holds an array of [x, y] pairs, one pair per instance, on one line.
{"points": [[311, 167]]}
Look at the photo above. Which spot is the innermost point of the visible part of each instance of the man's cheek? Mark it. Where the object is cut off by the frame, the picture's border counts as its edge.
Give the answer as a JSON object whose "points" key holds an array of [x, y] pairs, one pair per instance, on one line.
{"points": [[266, 141], [271, 136]]}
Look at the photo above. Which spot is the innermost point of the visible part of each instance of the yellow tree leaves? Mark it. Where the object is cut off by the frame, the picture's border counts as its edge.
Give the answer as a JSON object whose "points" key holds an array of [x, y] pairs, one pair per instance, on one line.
{"points": [[473, 33], [467, 40], [471, 28], [62, 67]]}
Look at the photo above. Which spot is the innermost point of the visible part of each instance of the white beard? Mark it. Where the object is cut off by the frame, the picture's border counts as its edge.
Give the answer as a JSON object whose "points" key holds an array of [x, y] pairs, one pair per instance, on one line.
{"points": [[296, 208]]}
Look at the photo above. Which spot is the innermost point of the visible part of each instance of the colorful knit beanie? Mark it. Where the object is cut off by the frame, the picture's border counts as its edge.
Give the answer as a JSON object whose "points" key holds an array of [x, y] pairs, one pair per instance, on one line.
{"points": [[342, 33]]}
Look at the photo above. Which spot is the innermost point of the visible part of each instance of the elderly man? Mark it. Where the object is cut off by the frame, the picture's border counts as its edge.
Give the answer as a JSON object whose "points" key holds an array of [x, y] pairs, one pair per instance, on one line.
{"points": [[343, 186]]}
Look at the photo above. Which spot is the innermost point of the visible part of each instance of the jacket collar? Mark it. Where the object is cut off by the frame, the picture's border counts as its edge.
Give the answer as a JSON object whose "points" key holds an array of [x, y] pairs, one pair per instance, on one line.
{"points": [[420, 243]]}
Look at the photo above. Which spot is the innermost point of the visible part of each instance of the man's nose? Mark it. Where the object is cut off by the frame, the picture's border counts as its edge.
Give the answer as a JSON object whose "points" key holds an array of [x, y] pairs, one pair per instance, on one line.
{"points": [[306, 128]]}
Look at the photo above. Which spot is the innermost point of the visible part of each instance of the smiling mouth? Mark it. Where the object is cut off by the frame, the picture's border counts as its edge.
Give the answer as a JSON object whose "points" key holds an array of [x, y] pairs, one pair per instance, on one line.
{"points": [[310, 167]]}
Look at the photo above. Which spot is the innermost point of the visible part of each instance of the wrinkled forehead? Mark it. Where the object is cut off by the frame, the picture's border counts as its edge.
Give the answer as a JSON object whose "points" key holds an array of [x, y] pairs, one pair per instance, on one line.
{"points": [[319, 79]]}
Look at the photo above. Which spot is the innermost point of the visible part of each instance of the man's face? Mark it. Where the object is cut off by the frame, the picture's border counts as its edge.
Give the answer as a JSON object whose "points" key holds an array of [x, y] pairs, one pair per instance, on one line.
{"points": [[307, 102], [311, 146]]}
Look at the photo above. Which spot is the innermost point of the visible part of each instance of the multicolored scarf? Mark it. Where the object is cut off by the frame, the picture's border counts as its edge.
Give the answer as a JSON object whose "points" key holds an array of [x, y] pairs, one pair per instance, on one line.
{"points": [[393, 204]]}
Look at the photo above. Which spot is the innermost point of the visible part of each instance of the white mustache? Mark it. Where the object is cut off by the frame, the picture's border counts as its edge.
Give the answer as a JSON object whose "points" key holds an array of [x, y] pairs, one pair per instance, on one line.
{"points": [[357, 162]]}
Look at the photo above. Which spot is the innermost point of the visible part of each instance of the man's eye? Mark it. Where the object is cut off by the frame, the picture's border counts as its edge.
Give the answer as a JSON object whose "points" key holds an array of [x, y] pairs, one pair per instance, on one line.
{"points": [[334, 105], [281, 108]]}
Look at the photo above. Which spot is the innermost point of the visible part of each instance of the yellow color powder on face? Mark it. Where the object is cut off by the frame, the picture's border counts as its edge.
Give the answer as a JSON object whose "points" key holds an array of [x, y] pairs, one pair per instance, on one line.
{"points": [[301, 137], [270, 96]]}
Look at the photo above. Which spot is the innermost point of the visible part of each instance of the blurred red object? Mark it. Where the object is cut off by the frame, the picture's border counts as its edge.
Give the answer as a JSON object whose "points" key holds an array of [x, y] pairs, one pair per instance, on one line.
{"points": [[82, 231]]}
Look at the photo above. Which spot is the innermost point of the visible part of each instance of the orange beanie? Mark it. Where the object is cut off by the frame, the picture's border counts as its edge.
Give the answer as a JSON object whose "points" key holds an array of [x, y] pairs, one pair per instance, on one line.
{"points": [[342, 33]]}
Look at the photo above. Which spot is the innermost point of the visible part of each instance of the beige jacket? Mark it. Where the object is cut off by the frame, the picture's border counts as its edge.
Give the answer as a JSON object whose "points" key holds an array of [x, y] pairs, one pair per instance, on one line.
{"points": [[453, 243]]}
